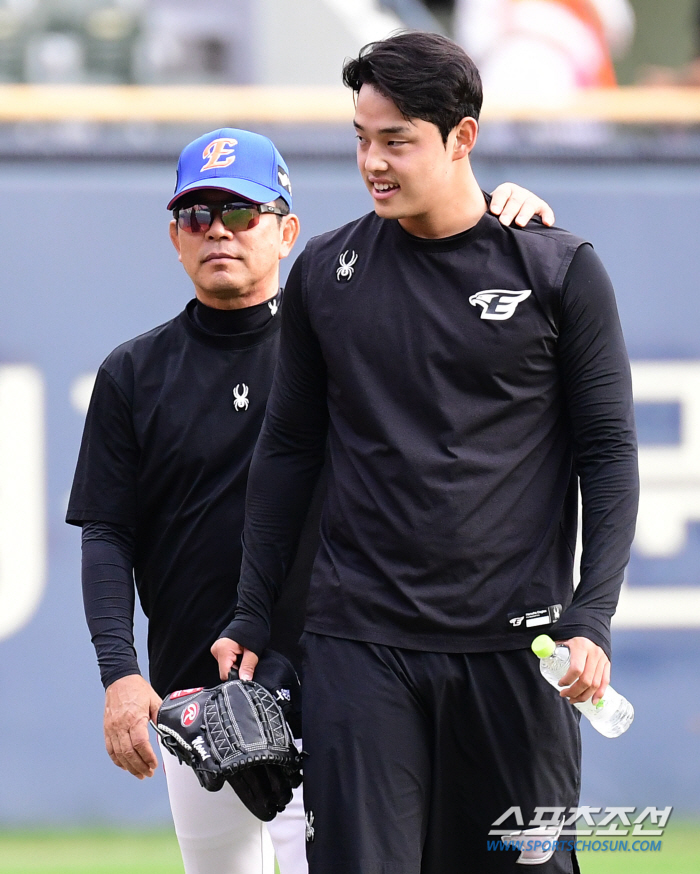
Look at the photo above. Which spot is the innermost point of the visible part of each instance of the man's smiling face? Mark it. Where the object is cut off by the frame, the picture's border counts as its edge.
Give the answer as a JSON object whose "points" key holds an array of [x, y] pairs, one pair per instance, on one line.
{"points": [[405, 164]]}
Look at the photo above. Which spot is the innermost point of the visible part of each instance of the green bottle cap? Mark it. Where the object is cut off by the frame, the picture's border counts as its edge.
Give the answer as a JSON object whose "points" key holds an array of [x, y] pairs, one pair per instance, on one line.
{"points": [[543, 646]]}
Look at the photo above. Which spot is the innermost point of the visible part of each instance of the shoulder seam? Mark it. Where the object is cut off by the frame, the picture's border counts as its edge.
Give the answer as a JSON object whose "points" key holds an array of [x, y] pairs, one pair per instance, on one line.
{"points": [[566, 263]]}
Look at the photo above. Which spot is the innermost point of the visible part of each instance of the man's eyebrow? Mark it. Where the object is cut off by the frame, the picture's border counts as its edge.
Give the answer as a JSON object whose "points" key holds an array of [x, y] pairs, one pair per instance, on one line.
{"points": [[396, 129]]}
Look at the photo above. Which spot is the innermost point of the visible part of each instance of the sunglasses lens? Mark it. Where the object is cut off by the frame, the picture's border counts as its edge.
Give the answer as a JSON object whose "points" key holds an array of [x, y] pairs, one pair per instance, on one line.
{"points": [[195, 219], [198, 219], [239, 218]]}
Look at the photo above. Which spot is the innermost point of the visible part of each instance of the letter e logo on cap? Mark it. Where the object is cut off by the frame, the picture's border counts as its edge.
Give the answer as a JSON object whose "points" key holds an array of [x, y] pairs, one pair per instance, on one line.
{"points": [[219, 153]]}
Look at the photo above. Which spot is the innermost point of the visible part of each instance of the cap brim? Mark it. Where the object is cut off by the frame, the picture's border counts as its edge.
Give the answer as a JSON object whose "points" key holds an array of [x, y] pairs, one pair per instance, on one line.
{"points": [[250, 190]]}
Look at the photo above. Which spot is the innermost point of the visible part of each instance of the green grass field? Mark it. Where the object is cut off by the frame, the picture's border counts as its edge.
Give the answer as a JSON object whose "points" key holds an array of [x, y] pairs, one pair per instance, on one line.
{"points": [[679, 854], [112, 852], [89, 852]]}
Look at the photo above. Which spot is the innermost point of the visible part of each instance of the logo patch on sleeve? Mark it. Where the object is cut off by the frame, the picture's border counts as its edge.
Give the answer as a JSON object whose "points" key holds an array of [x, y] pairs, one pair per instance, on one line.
{"points": [[498, 304]]}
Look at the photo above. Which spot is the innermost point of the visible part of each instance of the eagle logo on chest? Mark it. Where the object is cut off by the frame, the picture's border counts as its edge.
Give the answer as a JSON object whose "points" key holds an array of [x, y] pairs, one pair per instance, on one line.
{"points": [[498, 304]]}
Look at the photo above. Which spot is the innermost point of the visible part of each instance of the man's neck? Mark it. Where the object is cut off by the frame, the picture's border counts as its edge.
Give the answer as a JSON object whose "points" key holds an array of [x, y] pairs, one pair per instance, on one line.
{"points": [[457, 213], [243, 320], [235, 298]]}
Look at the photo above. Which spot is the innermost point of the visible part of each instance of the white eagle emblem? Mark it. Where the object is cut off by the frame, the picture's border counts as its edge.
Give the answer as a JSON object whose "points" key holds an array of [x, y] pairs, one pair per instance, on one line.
{"points": [[498, 304], [240, 398], [347, 267]]}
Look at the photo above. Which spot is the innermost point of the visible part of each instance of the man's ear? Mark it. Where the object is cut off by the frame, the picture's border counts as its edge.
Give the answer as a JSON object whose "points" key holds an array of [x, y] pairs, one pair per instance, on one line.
{"points": [[174, 238], [466, 133], [289, 232]]}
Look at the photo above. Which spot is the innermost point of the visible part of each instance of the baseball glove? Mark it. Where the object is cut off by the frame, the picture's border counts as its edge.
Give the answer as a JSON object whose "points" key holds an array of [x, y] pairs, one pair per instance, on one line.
{"points": [[235, 733]]}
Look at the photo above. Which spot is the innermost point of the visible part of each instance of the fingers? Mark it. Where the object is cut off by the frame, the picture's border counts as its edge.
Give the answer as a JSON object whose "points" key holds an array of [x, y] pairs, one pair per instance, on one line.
{"points": [[248, 664], [605, 682], [513, 203], [226, 652], [131, 750], [532, 205], [500, 196], [589, 673], [154, 706], [129, 702], [546, 213], [514, 207], [143, 756]]}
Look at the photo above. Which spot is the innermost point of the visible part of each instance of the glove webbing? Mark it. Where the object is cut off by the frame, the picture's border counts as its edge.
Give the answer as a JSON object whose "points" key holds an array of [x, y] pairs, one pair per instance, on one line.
{"points": [[223, 729]]}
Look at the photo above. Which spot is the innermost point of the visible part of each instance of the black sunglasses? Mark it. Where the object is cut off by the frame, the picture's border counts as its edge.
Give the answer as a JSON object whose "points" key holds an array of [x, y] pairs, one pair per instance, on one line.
{"points": [[199, 218]]}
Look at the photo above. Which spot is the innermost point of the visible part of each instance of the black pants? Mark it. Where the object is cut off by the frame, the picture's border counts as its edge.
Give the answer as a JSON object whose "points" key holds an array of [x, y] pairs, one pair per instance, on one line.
{"points": [[413, 756]]}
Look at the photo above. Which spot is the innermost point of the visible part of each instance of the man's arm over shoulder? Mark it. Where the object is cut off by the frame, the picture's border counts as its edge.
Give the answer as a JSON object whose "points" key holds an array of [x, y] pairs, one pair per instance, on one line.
{"points": [[598, 395], [285, 466]]}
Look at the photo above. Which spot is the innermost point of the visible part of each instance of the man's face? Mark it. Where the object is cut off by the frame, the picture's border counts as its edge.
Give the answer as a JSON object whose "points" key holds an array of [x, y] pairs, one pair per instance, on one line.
{"points": [[232, 269], [405, 165]]}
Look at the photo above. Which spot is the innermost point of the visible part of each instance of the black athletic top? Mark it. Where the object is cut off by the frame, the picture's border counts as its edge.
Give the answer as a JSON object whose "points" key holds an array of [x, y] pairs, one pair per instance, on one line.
{"points": [[463, 383], [160, 484]]}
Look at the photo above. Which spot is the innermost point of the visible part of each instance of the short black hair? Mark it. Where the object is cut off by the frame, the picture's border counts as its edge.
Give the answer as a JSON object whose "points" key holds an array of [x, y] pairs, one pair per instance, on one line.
{"points": [[426, 75]]}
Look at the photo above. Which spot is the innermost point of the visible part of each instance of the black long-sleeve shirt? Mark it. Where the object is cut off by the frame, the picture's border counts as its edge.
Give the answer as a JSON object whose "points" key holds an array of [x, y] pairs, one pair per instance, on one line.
{"points": [[159, 491], [466, 385]]}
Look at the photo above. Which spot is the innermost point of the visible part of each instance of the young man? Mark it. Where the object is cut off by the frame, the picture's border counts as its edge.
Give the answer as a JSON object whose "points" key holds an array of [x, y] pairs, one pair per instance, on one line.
{"points": [[466, 377], [160, 483]]}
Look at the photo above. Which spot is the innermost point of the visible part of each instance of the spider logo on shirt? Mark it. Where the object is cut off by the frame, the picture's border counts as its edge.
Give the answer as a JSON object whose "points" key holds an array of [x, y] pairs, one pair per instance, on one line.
{"points": [[240, 398], [346, 268]]}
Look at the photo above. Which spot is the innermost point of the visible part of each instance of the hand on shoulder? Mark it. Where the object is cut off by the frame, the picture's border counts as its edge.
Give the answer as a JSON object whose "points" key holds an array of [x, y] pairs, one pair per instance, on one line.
{"points": [[511, 203]]}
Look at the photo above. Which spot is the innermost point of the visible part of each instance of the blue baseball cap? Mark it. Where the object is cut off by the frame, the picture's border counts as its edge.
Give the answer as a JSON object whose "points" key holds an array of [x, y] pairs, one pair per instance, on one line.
{"points": [[238, 161]]}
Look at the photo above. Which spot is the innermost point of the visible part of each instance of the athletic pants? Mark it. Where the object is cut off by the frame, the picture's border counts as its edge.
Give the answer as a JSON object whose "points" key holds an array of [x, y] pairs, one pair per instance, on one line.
{"points": [[412, 756], [217, 833]]}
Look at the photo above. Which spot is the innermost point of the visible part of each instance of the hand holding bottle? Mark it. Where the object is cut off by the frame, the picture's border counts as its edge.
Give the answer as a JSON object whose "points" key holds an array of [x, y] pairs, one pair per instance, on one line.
{"points": [[611, 716]]}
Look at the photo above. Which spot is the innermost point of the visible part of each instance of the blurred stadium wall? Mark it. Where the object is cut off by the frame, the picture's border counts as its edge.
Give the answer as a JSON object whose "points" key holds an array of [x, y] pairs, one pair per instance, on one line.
{"points": [[84, 179], [171, 41]]}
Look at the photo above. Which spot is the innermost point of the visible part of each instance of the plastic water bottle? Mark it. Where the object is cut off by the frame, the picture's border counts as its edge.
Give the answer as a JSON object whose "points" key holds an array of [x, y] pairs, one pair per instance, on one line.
{"points": [[611, 716]]}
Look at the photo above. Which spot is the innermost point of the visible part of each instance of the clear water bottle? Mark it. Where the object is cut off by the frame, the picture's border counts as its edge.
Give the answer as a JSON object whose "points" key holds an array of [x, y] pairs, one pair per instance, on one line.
{"points": [[611, 716]]}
